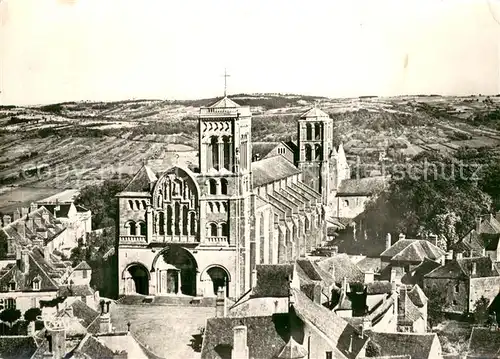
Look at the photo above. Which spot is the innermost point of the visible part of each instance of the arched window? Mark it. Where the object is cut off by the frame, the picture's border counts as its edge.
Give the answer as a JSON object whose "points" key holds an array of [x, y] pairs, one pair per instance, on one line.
{"points": [[308, 132], [137, 204], [210, 207], [212, 186], [317, 131], [169, 220], [177, 218], [131, 204], [192, 222], [318, 151], [308, 153], [184, 220], [161, 223], [225, 230], [217, 207], [346, 203], [131, 228], [223, 186], [144, 205], [227, 152], [158, 201], [225, 207], [142, 228], [214, 145], [212, 230]]}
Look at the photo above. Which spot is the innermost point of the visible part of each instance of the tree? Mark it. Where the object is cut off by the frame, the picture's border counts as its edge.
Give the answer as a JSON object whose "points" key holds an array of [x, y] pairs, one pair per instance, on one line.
{"points": [[32, 314], [432, 194], [481, 312], [10, 315], [101, 201], [3, 244], [435, 305]]}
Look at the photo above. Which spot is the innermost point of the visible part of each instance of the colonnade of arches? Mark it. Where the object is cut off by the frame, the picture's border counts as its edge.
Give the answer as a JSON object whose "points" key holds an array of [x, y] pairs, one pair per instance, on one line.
{"points": [[176, 219], [314, 132], [136, 228], [313, 152], [217, 229], [174, 271], [219, 152]]}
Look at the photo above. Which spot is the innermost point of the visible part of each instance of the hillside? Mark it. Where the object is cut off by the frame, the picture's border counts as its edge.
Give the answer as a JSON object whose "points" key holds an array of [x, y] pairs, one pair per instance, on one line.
{"points": [[45, 148]]}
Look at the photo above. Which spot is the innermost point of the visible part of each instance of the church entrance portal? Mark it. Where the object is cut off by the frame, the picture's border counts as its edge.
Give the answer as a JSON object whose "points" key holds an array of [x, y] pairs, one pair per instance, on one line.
{"points": [[219, 279], [140, 279], [176, 272]]}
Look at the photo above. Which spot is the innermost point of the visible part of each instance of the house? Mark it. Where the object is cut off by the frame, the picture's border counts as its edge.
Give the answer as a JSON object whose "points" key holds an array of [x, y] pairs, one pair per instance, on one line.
{"points": [[464, 280], [38, 224], [412, 318], [76, 218], [481, 240], [416, 346], [400, 260], [353, 194], [37, 278], [483, 343], [262, 150], [305, 329], [340, 266], [77, 331]]}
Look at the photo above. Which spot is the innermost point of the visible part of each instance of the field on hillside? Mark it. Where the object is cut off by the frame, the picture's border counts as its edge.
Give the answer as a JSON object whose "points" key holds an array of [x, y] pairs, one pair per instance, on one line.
{"points": [[71, 145]]}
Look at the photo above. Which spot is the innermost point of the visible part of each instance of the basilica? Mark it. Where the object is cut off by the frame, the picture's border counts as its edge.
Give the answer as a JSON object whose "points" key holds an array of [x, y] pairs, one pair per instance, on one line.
{"points": [[191, 231]]}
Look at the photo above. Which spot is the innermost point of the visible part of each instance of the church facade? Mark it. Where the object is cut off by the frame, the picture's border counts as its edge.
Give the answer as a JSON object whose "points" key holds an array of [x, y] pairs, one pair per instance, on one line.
{"points": [[191, 231]]}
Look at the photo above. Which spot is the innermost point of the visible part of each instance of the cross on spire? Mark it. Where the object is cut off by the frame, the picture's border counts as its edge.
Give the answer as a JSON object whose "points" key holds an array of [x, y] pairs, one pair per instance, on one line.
{"points": [[317, 103], [225, 81]]}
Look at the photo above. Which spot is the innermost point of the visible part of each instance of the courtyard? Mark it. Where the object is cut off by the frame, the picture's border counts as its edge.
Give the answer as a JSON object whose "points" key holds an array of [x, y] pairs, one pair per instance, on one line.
{"points": [[167, 331]]}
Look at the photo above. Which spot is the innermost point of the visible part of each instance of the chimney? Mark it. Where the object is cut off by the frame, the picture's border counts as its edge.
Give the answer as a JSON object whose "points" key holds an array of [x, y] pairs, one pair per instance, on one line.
{"points": [[240, 348], [433, 238], [459, 256], [474, 268], [388, 241], [256, 157], [6, 220], [367, 325], [17, 215], [449, 256], [483, 252], [394, 277], [24, 211], [33, 207], [335, 250], [220, 303], [369, 276], [402, 236], [345, 285], [21, 228], [24, 262], [332, 270], [478, 224], [45, 216], [254, 278], [37, 221], [105, 323], [57, 343]]}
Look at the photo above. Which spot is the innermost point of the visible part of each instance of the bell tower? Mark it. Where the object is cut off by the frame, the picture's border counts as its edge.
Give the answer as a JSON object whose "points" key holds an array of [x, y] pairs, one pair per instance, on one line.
{"points": [[315, 142], [225, 178]]}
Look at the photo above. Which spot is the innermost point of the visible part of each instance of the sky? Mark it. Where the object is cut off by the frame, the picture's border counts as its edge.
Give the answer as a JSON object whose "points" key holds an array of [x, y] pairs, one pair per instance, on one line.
{"points": [[105, 50]]}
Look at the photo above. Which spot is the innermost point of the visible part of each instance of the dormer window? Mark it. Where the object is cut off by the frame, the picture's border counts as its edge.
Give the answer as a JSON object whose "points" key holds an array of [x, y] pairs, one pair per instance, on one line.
{"points": [[36, 284]]}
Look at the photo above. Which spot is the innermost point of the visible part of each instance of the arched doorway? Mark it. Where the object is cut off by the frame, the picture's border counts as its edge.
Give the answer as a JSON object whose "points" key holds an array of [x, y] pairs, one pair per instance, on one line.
{"points": [[138, 279], [175, 271], [213, 278]]}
